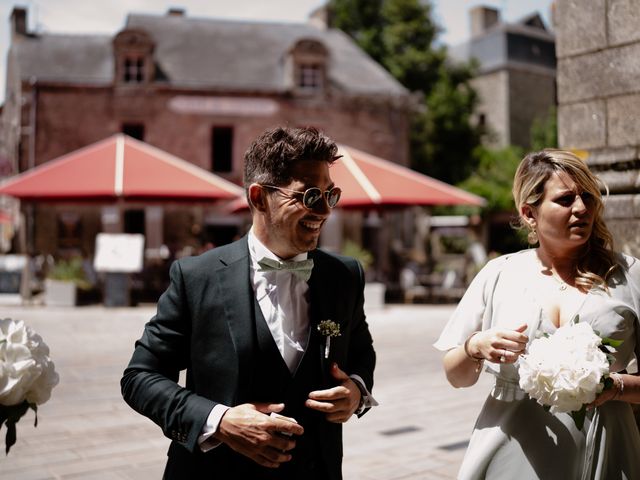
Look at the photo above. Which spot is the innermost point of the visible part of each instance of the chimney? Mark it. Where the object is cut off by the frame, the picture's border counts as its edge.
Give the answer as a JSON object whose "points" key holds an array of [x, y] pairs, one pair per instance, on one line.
{"points": [[320, 17], [18, 21], [482, 19], [175, 12]]}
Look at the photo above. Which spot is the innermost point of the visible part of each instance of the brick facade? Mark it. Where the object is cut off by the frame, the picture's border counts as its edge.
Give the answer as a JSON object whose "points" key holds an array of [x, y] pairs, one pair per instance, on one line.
{"points": [[55, 112]]}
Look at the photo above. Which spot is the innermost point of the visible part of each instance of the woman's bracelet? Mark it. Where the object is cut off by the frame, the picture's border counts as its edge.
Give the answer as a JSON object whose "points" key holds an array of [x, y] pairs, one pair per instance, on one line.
{"points": [[618, 382], [479, 361]]}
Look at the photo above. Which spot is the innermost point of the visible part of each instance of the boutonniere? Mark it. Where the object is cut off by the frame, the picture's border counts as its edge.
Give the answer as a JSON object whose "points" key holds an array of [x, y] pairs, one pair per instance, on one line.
{"points": [[329, 329]]}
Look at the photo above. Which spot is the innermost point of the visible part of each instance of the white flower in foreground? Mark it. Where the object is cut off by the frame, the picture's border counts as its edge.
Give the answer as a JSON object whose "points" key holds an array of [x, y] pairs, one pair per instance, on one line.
{"points": [[27, 375], [565, 370], [26, 371]]}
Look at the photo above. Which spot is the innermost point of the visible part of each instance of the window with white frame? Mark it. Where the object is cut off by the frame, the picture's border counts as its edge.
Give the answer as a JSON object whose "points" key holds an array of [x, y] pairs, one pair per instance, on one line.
{"points": [[309, 77]]}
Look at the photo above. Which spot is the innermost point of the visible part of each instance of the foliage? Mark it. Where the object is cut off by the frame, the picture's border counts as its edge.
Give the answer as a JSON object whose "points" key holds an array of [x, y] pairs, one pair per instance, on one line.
{"points": [[401, 36], [443, 136], [352, 249], [361, 20], [493, 178], [10, 415], [70, 270], [544, 131]]}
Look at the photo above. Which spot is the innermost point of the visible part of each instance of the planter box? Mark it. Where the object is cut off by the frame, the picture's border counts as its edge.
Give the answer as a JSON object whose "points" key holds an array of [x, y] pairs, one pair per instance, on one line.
{"points": [[59, 293]]}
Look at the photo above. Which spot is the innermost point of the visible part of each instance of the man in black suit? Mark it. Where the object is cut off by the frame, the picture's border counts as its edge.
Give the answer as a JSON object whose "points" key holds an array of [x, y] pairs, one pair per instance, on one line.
{"points": [[277, 351]]}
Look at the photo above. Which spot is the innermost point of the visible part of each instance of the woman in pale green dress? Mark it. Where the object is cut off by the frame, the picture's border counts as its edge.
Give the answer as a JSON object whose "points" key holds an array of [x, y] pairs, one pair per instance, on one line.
{"points": [[516, 297]]}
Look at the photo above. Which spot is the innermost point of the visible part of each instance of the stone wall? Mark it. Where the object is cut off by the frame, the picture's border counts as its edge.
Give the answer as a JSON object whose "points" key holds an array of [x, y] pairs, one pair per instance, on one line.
{"points": [[598, 49], [493, 94], [532, 94]]}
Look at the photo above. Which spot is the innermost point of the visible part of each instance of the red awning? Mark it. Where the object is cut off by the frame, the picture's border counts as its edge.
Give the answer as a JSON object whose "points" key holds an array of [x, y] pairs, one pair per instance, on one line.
{"points": [[368, 181], [119, 167]]}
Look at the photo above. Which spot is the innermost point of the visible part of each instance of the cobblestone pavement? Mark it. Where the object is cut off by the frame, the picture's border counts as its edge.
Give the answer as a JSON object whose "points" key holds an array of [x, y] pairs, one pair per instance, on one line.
{"points": [[86, 431]]}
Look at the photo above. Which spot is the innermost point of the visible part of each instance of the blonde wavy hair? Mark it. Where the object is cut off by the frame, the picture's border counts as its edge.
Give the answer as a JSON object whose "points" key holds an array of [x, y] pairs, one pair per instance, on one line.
{"points": [[598, 260]]}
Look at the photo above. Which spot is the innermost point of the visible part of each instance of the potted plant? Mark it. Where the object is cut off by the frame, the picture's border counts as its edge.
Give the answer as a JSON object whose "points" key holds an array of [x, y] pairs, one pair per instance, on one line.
{"points": [[62, 282]]}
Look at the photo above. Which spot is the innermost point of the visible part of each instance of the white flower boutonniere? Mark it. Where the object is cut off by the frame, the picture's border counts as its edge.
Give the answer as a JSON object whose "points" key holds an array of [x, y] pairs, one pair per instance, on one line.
{"points": [[328, 328], [567, 370], [27, 374]]}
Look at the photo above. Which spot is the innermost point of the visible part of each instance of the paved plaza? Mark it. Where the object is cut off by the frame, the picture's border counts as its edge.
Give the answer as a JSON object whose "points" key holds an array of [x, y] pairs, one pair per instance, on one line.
{"points": [[87, 432]]}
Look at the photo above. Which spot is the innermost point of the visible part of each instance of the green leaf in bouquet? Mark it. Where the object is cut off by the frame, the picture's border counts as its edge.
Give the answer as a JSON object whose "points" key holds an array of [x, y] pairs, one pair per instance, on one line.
{"points": [[10, 415], [610, 342]]}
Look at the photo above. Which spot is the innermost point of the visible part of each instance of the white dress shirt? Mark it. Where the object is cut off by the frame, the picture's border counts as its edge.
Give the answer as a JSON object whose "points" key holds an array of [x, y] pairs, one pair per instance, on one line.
{"points": [[284, 301]]}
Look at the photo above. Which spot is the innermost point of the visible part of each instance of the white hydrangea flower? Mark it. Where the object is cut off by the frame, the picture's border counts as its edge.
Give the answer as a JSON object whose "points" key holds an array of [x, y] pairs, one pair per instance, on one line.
{"points": [[565, 370], [26, 371]]}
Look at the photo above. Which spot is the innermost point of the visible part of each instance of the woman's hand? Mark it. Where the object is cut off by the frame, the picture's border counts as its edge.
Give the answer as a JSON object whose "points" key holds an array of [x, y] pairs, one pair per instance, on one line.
{"points": [[498, 345], [613, 393]]}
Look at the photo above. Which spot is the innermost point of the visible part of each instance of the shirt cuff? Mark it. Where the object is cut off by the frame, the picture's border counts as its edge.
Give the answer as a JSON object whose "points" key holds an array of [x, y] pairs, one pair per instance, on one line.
{"points": [[206, 440], [367, 399]]}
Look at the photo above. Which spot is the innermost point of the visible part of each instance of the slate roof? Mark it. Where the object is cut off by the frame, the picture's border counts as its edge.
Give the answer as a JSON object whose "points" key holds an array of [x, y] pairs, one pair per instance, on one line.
{"points": [[526, 42], [208, 54], [84, 59]]}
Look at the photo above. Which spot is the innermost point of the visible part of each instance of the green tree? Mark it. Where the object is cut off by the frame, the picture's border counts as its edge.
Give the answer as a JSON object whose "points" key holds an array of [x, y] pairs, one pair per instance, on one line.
{"points": [[401, 36], [443, 137], [544, 131], [493, 177], [361, 20]]}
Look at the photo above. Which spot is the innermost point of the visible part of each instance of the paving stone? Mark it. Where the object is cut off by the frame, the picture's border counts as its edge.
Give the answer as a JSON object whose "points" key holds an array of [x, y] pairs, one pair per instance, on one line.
{"points": [[87, 432]]}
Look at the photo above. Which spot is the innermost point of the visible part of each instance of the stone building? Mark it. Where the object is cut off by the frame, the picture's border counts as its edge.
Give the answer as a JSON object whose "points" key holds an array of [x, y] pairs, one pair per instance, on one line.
{"points": [[516, 74], [598, 48], [200, 89]]}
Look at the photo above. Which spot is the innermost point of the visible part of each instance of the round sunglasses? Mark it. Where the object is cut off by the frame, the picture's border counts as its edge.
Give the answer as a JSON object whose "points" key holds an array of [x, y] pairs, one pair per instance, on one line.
{"points": [[311, 195]]}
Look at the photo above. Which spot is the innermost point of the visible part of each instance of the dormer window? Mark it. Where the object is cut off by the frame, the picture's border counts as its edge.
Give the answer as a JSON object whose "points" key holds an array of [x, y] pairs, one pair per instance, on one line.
{"points": [[308, 60], [133, 71], [133, 51], [309, 77]]}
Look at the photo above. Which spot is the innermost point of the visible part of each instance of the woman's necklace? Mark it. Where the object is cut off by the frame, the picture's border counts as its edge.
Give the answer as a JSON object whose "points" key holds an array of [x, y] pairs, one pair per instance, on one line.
{"points": [[562, 284]]}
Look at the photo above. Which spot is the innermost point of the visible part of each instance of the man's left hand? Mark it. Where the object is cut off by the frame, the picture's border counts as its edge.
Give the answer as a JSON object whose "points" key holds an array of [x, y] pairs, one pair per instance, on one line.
{"points": [[339, 402]]}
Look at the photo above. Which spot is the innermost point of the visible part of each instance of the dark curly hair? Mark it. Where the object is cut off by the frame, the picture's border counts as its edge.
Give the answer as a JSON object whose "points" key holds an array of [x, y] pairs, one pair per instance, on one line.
{"points": [[270, 157]]}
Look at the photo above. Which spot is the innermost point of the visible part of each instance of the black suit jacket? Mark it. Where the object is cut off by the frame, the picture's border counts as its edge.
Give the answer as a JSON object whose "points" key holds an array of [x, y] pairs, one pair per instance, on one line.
{"points": [[204, 324]]}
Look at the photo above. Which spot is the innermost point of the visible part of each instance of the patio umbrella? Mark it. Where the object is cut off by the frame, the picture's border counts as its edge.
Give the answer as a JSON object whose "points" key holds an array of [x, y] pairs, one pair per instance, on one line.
{"points": [[369, 181], [119, 167]]}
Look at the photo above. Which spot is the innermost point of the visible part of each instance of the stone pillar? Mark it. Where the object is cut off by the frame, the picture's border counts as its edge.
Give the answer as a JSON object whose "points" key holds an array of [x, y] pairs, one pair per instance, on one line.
{"points": [[598, 50]]}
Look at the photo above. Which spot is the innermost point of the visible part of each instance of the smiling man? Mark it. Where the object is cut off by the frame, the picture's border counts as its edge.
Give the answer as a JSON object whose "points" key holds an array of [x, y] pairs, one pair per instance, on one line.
{"points": [[264, 397]]}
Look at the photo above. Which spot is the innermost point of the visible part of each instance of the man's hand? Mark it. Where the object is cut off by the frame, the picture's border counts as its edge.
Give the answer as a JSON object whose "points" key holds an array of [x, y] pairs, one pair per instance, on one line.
{"points": [[339, 402], [249, 430]]}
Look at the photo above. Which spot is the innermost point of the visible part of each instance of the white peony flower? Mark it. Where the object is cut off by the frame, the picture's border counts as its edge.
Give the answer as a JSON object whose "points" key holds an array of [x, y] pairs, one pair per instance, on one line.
{"points": [[26, 371], [565, 370]]}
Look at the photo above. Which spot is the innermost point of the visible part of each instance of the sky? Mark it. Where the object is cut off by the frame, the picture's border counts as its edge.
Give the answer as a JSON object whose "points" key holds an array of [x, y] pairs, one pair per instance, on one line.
{"points": [[96, 17]]}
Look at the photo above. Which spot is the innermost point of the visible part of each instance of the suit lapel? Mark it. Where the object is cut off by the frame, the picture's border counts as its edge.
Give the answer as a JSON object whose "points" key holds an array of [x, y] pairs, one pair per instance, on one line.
{"points": [[322, 306], [235, 287]]}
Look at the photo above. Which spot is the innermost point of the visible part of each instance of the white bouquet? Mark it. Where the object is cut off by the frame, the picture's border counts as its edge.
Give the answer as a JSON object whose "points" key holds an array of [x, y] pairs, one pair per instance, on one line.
{"points": [[27, 374], [565, 371]]}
